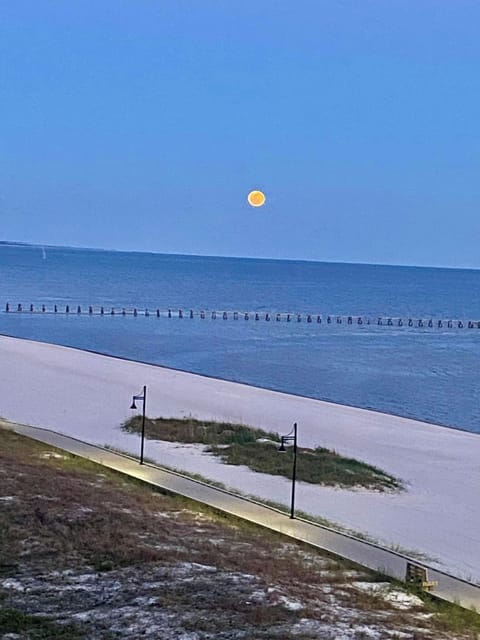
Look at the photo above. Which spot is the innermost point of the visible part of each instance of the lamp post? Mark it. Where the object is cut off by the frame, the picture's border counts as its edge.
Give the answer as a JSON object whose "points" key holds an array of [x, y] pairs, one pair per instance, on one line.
{"points": [[142, 397], [291, 437]]}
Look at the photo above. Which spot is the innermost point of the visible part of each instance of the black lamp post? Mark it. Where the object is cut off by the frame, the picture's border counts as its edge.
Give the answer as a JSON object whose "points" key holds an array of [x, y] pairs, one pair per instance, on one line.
{"points": [[291, 437], [134, 406]]}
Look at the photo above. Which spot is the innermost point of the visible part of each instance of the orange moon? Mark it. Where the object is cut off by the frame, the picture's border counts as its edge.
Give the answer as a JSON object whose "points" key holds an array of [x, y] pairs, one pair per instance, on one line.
{"points": [[256, 198]]}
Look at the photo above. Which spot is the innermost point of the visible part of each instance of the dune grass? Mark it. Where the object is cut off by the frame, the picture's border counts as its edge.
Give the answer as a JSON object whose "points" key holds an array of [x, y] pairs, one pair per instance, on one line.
{"points": [[16, 623], [204, 570], [257, 449]]}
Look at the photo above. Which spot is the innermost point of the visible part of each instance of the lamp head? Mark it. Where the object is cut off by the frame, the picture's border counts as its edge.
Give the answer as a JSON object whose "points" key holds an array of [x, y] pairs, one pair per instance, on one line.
{"points": [[282, 446], [134, 406]]}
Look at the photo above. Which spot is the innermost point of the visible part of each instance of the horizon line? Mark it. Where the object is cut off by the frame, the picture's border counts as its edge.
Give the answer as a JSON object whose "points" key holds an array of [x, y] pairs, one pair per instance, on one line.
{"points": [[15, 243]]}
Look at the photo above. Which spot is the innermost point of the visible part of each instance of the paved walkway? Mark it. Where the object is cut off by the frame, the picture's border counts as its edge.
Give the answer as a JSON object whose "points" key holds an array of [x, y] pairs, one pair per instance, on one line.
{"points": [[363, 553]]}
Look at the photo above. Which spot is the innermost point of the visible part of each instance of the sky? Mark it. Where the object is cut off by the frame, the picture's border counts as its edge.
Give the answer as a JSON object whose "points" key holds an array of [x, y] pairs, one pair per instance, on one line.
{"points": [[143, 125]]}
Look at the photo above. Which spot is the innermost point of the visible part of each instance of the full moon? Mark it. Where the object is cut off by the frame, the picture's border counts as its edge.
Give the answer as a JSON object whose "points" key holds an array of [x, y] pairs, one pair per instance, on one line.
{"points": [[256, 198]]}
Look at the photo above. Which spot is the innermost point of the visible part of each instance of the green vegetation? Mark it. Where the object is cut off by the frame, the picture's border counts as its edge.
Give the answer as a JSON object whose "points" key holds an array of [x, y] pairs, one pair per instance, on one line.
{"points": [[411, 553], [453, 618], [238, 444], [15, 622], [211, 567]]}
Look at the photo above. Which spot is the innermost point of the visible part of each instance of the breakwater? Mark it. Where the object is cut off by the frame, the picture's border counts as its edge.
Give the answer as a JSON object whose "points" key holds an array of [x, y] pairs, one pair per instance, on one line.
{"points": [[256, 316]]}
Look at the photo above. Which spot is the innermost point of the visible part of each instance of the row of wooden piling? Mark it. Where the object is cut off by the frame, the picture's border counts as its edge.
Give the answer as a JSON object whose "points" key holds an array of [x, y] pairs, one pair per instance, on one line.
{"points": [[246, 315]]}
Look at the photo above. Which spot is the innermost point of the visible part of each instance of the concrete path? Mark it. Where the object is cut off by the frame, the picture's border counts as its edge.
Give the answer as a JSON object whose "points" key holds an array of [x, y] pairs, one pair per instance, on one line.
{"points": [[366, 554]]}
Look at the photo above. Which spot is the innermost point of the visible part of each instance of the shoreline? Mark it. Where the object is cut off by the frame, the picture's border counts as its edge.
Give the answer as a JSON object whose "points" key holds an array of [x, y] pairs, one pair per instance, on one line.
{"points": [[87, 395], [245, 384]]}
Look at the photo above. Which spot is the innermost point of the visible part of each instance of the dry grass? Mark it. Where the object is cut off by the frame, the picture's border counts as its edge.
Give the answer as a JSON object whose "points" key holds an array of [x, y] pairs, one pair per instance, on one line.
{"points": [[84, 546]]}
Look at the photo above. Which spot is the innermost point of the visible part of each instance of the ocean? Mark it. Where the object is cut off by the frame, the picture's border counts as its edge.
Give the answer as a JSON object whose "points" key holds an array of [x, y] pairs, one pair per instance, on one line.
{"points": [[420, 372]]}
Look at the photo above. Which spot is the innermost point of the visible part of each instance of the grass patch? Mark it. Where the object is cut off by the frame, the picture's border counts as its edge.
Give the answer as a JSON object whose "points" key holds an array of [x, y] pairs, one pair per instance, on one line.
{"points": [[146, 560], [450, 617], [238, 444], [330, 524], [16, 622]]}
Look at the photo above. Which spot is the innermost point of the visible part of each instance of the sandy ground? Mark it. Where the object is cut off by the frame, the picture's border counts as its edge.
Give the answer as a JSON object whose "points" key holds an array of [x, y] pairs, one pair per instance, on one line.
{"points": [[88, 396]]}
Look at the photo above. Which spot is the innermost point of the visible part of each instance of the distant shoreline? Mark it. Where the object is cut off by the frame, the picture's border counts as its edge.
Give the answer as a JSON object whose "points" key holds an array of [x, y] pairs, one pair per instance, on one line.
{"points": [[13, 243]]}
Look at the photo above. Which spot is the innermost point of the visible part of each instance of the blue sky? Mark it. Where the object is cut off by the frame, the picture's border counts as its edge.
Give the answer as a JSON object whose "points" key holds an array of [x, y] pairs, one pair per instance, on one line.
{"points": [[142, 125]]}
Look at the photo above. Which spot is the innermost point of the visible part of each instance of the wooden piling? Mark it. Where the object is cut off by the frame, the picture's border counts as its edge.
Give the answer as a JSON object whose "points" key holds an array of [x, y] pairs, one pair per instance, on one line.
{"points": [[267, 316]]}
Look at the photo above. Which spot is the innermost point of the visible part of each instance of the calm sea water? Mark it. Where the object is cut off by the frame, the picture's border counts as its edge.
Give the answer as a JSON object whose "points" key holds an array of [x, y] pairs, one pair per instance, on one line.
{"points": [[429, 374]]}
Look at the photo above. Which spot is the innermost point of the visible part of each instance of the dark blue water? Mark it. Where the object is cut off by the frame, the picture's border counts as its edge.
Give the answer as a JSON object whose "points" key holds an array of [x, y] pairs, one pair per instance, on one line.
{"points": [[430, 374]]}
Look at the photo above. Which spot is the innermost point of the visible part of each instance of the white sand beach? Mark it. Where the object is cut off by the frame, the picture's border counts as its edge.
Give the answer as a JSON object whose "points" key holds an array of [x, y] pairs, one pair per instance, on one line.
{"points": [[88, 396]]}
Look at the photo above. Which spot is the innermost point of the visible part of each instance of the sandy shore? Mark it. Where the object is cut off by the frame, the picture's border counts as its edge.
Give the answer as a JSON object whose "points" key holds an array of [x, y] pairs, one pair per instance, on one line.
{"points": [[88, 396]]}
